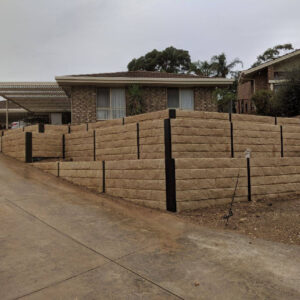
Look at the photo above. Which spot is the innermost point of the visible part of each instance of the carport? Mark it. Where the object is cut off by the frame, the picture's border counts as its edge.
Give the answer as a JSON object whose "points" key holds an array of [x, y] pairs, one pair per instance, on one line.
{"points": [[35, 98]]}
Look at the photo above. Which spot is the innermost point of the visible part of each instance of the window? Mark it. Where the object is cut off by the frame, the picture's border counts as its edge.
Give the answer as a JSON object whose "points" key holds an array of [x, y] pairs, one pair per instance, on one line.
{"points": [[181, 98], [111, 103]]}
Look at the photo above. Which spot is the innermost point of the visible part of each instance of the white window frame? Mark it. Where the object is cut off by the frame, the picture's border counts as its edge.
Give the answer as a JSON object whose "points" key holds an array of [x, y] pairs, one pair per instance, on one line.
{"points": [[179, 89], [109, 109]]}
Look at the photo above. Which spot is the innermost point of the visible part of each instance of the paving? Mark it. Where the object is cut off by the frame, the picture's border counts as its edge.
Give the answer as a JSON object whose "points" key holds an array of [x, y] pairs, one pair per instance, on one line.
{"points": [[58, 241]]}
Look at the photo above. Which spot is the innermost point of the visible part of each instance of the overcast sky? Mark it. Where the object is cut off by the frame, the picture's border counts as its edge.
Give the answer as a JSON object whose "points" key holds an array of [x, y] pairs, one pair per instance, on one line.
{"points": [[44, 38]]}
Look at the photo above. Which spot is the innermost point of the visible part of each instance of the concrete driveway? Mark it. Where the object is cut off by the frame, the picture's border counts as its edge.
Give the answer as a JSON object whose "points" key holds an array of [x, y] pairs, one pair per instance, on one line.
{"points": [[58, 241]]}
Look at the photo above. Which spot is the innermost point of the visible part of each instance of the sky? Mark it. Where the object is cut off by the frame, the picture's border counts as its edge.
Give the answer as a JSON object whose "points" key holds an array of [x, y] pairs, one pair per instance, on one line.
{"points": [[41, 39]]}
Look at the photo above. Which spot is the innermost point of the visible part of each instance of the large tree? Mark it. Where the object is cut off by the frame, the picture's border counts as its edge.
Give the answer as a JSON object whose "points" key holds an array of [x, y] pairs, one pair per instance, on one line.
{"points": [[272, 53], [170, 60], [202, 68], [216, 67], [220, 66]]}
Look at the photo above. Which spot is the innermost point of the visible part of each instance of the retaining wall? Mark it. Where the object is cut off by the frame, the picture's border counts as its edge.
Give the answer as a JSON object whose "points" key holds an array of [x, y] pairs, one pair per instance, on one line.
{"points": [[138, 181], [275, 178], [200, 138], [262, 139], [199, 182], [79, 146], [203, 182], [46, 145], [13, 145], [116, 142]]}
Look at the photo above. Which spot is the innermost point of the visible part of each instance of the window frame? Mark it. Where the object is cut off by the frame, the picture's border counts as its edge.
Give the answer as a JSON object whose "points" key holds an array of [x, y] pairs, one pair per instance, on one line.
{"points": [[179, 93], [109, 109]]}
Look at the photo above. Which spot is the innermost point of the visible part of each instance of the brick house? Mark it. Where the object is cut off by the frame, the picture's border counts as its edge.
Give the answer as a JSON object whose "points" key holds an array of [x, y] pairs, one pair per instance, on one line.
{"points": [[267, 76], [105, 96]]}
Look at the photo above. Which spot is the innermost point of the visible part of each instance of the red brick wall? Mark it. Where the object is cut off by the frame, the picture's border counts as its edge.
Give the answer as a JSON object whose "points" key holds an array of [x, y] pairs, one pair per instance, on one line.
{"points": [[244, 90], [203, 99], [155, 99], [83, 104]]}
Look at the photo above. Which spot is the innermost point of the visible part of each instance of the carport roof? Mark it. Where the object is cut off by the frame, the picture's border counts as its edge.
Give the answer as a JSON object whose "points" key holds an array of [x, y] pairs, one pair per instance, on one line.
{"points": [[36, 96]]}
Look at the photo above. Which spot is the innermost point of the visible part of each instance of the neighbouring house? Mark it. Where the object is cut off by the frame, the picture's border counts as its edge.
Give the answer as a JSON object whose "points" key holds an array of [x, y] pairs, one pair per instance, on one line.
{"points": [[105, 96], [267, 76]]}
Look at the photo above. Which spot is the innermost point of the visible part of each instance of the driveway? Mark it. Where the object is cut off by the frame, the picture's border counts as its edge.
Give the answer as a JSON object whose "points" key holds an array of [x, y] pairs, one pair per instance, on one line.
{"points": [[58, 241]]}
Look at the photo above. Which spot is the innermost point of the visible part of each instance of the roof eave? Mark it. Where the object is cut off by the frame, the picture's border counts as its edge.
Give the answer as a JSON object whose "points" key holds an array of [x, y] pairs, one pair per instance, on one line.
{"points": [[87, 80], [269, 63]]}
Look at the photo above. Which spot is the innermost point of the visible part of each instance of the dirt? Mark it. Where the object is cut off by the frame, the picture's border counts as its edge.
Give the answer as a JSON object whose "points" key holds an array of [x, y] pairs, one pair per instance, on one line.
{"points": [[277, 221]]}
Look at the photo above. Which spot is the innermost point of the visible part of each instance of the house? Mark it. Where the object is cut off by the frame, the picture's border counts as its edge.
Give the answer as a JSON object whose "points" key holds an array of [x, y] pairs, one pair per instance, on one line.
{"points": [[267, 76], [105, 96]]}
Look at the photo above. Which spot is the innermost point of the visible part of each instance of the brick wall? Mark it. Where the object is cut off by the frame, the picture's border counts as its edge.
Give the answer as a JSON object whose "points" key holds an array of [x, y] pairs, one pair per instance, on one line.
{"points": [[155, 99], [245, 90], [203, 99], [83, 104]]}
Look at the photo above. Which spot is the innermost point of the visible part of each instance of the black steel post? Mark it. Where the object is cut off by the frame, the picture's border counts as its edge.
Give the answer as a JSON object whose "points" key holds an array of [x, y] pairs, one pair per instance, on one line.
{"points": [[172, 113], [249, 179], [58, 169], [169, 169], [87, 126], [138, 139], [94, 136], [231, 140], [281, 141], [63, 146], [41, 128], [28, 147], [103, 176], [69, 128]]}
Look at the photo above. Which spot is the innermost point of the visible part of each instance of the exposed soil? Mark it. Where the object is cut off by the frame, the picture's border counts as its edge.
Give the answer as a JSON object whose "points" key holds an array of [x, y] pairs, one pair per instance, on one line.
{"points": [[277, 220]]}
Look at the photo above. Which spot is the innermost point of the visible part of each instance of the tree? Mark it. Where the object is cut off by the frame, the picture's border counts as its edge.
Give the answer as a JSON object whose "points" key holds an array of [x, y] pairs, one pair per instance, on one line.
{"points": [[287, 97], [170, 60], [264, 103], [224, 99], [202, 68], [135, 94], [220, 67], [272, 53]]}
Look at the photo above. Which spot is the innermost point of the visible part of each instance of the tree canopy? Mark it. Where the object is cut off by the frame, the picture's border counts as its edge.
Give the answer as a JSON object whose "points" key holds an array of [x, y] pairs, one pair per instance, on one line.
{"points": [[272, 53], [170, 60]]}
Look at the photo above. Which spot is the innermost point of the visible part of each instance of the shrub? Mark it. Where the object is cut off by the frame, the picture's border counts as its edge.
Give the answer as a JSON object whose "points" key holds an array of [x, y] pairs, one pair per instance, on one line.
{"points": [[264, 102]]}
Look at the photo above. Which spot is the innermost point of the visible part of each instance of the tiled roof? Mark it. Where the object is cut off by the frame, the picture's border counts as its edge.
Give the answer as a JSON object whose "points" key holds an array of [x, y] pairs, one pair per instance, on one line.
{"points": [[10, 105], [272, 62], [140, 74]]}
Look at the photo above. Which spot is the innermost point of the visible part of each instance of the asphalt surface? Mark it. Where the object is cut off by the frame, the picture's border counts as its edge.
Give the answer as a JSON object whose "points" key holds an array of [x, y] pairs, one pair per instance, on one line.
{"points": [[58, 241]]}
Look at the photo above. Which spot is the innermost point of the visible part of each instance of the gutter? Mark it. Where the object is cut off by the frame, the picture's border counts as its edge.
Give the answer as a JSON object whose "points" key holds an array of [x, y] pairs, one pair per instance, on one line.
{"points": [[86, 80]]}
